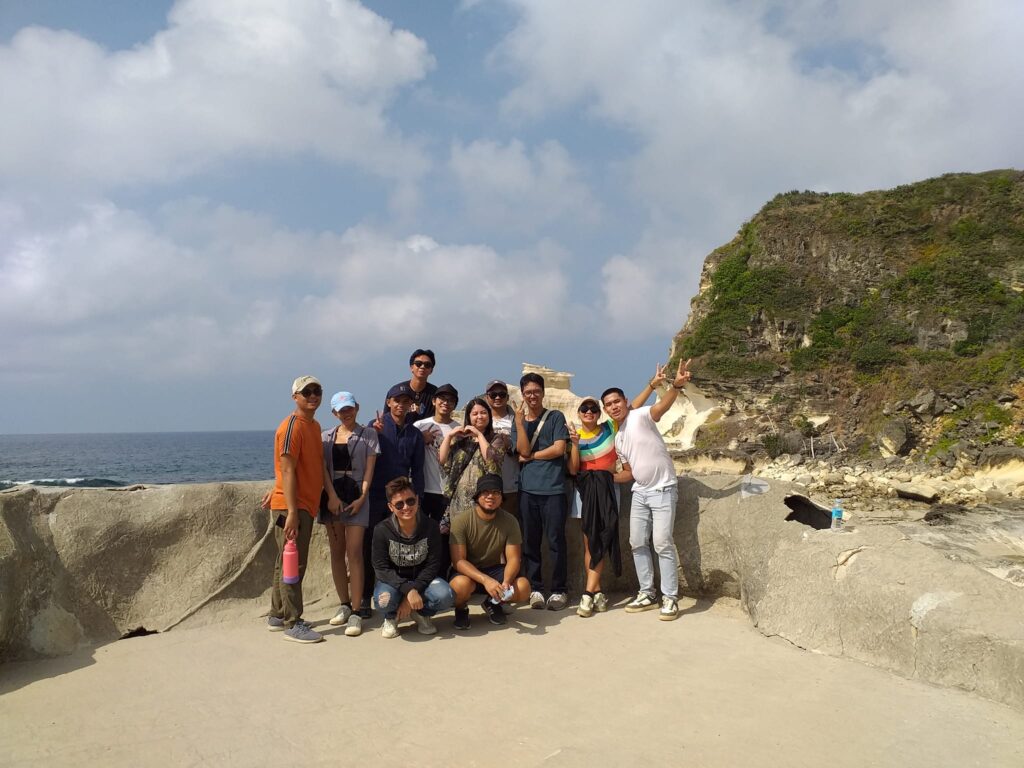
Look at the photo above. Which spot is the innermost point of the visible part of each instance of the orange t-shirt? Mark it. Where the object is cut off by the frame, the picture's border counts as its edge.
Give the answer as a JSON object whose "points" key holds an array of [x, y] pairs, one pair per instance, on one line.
{"points": [[300, 439]]}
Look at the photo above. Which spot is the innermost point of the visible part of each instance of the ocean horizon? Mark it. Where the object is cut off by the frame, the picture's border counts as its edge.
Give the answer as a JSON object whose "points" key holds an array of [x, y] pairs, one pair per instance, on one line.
{"points": [[102, 459]]}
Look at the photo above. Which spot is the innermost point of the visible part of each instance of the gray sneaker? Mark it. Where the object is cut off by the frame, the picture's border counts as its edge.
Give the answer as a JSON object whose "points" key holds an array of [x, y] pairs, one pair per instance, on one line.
{"points": [[557, 601], [600, 602], [302, 633], [274, 624], [354, 625], [423, 624], [341, 617], [537, 600], [642, 602]]}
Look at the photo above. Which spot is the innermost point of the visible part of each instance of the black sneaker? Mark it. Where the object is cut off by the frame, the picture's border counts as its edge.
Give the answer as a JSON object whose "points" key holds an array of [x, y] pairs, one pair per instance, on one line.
{"points": [[462, 618], [365, 611], [494, 613]]}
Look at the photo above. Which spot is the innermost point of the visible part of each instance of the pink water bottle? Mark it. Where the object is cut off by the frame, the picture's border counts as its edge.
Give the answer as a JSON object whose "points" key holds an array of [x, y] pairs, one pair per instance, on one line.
{"points": [[290, 563]]}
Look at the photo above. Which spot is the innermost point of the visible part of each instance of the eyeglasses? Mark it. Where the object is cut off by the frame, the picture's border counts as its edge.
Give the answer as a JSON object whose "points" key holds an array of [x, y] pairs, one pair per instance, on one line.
{"points": [[589, 408], [533, 392], [311, 391], [411, 502], [423, 363], [497, 395]]}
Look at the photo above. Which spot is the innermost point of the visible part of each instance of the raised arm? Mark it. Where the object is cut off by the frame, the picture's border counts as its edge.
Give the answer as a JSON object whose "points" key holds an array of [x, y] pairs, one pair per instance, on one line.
{"points": [[660, 408], [574, 450], [652, 386]]}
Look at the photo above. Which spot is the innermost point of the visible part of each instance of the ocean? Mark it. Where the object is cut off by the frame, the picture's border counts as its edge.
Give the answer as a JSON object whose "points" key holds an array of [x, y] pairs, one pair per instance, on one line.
{"points": [[81, 460]]}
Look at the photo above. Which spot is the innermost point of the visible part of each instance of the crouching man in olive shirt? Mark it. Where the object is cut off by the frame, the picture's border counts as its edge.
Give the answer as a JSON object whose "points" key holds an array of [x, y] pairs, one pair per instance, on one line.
{"points": [[486, 550]]}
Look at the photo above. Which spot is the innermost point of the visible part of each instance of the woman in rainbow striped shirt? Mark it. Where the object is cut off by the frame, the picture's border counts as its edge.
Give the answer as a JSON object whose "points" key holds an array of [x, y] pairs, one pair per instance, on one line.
{"points": [[592, 459]]}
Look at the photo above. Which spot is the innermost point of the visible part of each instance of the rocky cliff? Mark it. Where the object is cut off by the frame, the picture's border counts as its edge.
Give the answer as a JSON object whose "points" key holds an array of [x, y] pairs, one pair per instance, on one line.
{"points": [[887, 323]]}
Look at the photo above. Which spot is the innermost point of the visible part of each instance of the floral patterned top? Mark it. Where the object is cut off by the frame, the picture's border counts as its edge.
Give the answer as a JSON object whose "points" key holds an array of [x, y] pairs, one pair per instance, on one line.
{"points": [[466, 465]]}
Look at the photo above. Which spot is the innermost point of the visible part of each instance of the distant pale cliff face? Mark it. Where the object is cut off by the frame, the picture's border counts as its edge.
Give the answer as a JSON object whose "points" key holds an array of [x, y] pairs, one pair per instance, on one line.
{"points": [[833, 312]]}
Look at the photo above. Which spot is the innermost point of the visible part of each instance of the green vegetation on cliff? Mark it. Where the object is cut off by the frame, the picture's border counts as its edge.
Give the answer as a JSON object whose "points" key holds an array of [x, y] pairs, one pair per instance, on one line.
{"points": [[924, 279]]}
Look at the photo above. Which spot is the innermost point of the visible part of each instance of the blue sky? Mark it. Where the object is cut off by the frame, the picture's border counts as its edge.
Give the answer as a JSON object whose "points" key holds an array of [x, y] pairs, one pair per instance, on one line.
{"points": [[200, 200]]}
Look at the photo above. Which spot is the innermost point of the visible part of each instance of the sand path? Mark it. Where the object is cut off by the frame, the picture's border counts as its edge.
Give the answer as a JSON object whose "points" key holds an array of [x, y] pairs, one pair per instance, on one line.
{"points": [[549, 689]]}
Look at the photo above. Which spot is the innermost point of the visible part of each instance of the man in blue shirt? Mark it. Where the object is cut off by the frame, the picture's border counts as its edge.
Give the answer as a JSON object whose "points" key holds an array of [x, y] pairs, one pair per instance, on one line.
{"points": [[401, 455], [539, 437]]}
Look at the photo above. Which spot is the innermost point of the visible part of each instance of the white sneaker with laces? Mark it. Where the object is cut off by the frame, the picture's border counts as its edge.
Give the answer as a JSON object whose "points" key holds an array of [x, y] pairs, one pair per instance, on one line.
{"points": [[642, 602], [669, 609], [389, 629], [586, 606], [600, 602], [537, 601], [557, 601]]}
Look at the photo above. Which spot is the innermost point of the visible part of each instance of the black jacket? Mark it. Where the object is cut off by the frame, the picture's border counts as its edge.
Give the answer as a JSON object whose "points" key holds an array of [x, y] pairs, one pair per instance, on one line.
{"points": [[407, 563]]}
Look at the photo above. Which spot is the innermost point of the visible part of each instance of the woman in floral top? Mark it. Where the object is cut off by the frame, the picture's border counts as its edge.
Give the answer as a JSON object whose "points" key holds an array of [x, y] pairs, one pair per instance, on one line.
{"points": [[468, 453]]}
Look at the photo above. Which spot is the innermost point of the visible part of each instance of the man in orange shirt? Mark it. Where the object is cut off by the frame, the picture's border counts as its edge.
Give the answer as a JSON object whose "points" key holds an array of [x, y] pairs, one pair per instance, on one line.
{"points": [[300, 475]]}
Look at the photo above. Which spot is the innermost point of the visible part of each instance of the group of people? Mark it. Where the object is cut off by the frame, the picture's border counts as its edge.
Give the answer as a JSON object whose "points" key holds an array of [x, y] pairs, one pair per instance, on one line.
{"points": [[423, 512]]}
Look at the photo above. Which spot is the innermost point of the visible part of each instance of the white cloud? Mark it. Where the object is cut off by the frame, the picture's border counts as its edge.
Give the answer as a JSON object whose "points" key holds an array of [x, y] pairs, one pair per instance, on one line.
{"points": [[211, 288], [508, 187], [646, 290], [227, 79], [730, 103]]}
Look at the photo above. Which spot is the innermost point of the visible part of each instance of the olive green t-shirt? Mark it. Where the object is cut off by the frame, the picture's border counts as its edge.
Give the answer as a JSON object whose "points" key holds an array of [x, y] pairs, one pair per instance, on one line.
{"points": [[485, 540]]}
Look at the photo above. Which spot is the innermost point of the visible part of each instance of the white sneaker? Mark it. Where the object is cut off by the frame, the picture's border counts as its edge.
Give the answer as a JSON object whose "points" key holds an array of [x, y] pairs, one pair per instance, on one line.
{"points": [[354, 625], [642, 602], [341, 617], [423, 624], [586, 607], [669, 609], [600, 602], [389, 629], [537, 601], [557, 601]]}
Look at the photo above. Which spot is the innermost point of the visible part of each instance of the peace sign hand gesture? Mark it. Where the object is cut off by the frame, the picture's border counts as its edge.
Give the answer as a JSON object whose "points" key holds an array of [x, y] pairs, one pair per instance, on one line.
{"points": [[659, 376], [682, 374]]}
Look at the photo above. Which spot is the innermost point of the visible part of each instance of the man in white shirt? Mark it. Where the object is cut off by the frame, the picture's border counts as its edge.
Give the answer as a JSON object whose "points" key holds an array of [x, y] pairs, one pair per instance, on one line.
{"points": [[434, 428], [646, 461]]}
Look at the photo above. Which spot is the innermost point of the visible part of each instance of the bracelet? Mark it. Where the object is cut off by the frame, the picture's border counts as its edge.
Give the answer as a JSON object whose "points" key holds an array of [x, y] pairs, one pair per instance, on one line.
{"points": [[678, 389], [651, 384]]}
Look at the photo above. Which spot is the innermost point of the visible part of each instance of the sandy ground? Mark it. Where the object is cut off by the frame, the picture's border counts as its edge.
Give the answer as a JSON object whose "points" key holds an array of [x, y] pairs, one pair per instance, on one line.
{"points": [[548, 689]]}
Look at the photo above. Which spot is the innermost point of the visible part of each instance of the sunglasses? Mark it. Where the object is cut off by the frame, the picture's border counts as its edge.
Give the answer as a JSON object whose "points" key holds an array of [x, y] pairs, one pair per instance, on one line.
{"points": [[311, 392], [497, 395], [411, 502], [423, 364], [589, 408]]}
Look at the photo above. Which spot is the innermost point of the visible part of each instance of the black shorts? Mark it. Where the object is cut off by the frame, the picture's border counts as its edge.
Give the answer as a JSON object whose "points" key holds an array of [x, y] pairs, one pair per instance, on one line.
{"points": [[496, 572]]}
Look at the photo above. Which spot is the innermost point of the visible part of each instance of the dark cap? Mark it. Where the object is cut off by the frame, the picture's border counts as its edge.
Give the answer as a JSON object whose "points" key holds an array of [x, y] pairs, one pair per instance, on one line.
{"points": [[489, 482], [401, 388], [447, 389], [496, 384]]}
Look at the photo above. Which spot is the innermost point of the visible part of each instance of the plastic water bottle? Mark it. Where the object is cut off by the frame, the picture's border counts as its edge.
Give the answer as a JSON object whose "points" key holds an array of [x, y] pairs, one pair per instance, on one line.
{"points": [[837, 515], [290, 563]]}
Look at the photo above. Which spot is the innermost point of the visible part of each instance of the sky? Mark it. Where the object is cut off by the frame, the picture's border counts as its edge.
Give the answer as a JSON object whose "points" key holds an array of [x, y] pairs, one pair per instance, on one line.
{"points": [[201, 200]]}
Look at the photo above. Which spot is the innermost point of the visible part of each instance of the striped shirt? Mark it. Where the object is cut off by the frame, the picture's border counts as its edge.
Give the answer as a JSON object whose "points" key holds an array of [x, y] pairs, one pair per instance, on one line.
{"points": [[597, 448]]}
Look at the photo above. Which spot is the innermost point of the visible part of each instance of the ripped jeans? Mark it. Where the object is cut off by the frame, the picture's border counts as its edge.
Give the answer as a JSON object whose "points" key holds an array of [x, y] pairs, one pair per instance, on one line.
{"points": [[437, 597]]}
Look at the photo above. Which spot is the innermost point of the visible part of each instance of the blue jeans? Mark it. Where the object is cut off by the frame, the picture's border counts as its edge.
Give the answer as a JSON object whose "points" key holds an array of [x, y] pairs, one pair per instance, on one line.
{"points": [[437, 597], [653, 513], [545, 516]]}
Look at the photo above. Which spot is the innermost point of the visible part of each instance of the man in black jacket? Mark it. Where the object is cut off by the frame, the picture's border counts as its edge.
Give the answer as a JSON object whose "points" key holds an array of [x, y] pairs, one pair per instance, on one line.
{"points": [[407, 560]]}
